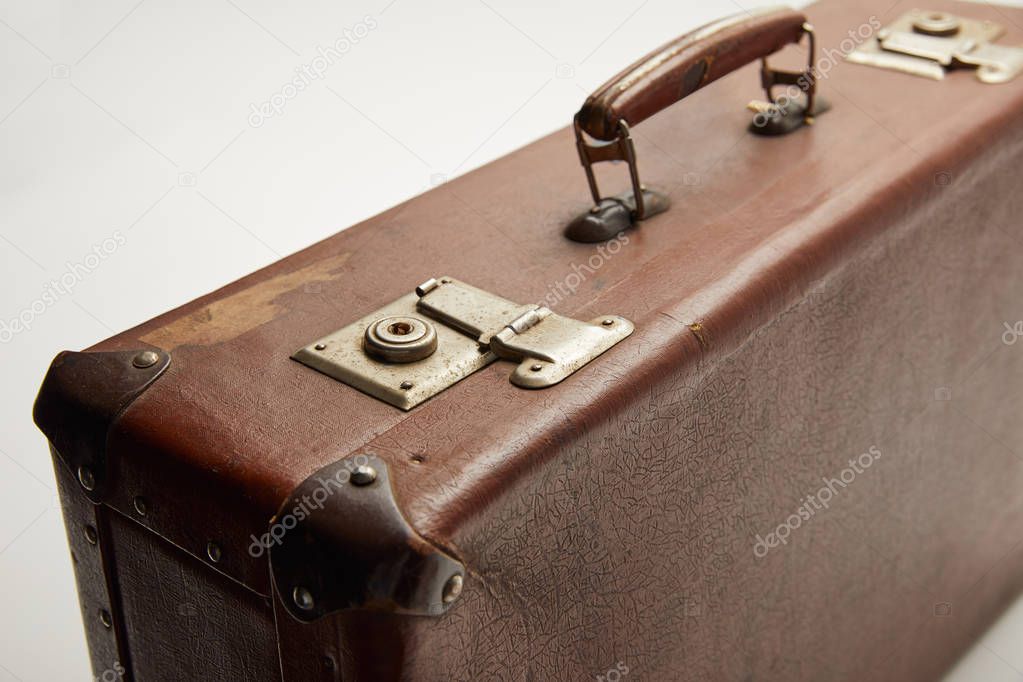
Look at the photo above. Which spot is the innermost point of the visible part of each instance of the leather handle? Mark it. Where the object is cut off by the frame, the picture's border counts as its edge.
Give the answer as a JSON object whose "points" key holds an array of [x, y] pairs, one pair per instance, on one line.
{"points": [[686, 64]]}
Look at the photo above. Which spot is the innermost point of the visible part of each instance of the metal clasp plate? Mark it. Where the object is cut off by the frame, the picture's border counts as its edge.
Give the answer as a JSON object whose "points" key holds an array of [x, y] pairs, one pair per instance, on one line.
{"points": [[926, 43], [426, 341]]}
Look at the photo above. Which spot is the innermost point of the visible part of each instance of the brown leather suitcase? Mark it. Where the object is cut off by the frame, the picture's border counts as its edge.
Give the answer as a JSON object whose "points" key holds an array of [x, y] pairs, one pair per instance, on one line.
{"points": [[761, 423]]}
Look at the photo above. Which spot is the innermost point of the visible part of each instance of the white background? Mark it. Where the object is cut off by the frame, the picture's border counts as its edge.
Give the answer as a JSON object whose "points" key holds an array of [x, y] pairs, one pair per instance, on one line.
{"points": [[131, 120]]}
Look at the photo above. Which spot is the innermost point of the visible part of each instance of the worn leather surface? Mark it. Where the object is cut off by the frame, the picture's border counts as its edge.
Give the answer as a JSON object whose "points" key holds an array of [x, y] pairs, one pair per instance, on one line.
{"points": [[183, 621], [636, 544], [95, 574], [680, 68], [800, 303]]}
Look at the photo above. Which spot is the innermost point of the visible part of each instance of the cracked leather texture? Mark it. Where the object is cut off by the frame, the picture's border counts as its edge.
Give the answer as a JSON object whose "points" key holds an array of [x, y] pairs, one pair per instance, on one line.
{"points": [[93, 569], [185, 622], [635, 544], [800, 304]]}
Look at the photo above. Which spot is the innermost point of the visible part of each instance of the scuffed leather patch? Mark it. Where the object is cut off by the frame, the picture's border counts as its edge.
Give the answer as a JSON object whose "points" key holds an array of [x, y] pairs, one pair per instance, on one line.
{"points": [[238, 313]]}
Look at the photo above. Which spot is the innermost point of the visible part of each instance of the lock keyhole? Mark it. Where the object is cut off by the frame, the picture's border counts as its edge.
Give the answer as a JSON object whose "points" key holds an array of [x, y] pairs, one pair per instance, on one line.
{"points": [[400, 339]]}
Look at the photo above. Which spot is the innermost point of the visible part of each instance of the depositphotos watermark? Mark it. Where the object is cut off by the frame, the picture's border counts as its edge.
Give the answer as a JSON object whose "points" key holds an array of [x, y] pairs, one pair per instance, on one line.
{"points": [[814, 503], [614, 674], [1012, 333], [62, 286], [310, 503], [111, 674], [325, 58], [560, 290]]}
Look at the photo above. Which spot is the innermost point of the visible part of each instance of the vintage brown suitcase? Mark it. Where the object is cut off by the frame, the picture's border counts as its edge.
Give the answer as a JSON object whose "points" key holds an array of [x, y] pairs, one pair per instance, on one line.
{"points": [[770, 431]]}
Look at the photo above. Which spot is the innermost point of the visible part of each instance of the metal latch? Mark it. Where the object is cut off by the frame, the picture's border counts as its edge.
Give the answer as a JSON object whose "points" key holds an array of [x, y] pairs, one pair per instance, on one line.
{"points": [[926, 43], [426, 341]]}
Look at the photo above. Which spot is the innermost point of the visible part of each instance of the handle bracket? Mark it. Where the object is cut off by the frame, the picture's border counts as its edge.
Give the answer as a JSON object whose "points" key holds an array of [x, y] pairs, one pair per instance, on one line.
{"points": [[609, 216], [671, 73], [783, 115]]}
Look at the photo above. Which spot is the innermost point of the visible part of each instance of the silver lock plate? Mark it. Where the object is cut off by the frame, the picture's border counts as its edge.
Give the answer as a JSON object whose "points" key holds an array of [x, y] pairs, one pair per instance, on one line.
{"points": [[473, 329], [926, 43]]}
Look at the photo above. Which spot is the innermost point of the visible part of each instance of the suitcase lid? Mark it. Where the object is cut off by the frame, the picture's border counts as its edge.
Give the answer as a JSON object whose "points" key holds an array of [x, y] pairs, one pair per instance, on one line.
{"points": [[226, 432]]}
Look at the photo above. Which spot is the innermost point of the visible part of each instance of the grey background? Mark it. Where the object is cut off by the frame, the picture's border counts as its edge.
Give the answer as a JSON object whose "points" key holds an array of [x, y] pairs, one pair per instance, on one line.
{"points": [[129, 122]]}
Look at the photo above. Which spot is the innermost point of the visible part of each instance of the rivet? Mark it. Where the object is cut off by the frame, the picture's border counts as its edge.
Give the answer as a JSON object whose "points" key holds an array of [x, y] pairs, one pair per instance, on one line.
{"points": [[536, 368], [91, 536], [104, 617], [608, 322], [363, 475], [445, 280], [146, 358], [320, 346], [141, 506], [452, 588], [595, 209], [303, 598], [213, 551], [406, 385], [86, 478]]}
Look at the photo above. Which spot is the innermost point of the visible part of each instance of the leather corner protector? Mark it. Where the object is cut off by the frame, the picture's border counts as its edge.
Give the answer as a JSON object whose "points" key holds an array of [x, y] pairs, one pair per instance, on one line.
{"points": [[81, 396], [340, 542]]}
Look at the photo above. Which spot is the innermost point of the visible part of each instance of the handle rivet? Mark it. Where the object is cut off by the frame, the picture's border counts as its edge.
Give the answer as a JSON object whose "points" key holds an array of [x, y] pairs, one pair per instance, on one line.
{"points": [[320, 346], [363, 474], [91, 536], [536, 368], [608, 322], [146, 358], [141, 506], [406, 385]]}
